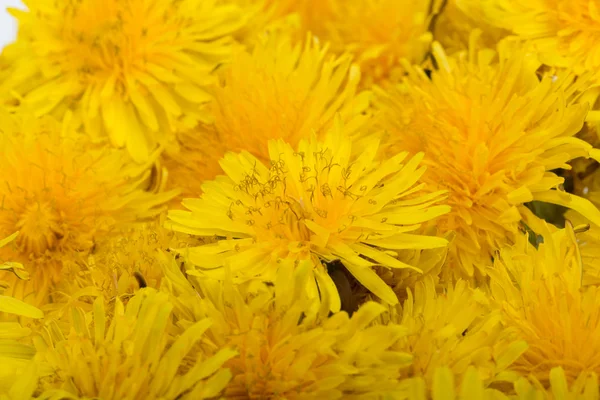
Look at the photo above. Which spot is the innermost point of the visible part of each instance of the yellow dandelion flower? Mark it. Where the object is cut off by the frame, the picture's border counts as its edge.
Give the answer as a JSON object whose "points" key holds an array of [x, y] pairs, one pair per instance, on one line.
{"points": [[277, 91], [132, 71], [542, 300], [62, 195], [585, 387], [129, 354], [379, 33], [314, 203], [492, 134], [455, 329], [288, 345], [565, 33]]}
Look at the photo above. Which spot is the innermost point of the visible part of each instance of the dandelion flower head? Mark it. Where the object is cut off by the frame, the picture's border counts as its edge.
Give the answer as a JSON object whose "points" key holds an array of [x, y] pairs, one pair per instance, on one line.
{"points": [[542, 299], [132, 71], [379, 33], [492, 134], [455, 329], [279, 90], [128, 354], [565, 33], [62, 194], [289, 346], [311, 203]]}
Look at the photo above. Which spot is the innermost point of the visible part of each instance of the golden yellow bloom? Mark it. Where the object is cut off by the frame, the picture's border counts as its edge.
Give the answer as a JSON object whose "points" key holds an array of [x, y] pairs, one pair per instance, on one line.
{"points": [[62, 195], [492, 132], [277, 91], [585, 387], [129, 354], [379, 33], [542, 300], [314, 203], [564, 32], [132, 71], [288, 346], [454, 329]]}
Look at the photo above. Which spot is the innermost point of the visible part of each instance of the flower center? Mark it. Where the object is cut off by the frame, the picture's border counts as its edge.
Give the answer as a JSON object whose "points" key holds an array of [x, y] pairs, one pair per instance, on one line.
{"points": [[39, 228]]}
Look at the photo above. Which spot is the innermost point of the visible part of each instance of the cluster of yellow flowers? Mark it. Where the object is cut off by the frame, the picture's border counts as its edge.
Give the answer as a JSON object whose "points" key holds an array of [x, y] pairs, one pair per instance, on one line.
{"points": [[300, 199]]}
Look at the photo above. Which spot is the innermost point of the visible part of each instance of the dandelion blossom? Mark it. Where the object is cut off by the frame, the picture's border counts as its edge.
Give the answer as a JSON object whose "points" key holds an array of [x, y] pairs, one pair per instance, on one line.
{"points": [[380, 34], [492, 134], [564, 32], [278, 91], [129, 354], [62, 195], [314, 203], [455, 329], [132, 71], [288, 345], [542, 300]]}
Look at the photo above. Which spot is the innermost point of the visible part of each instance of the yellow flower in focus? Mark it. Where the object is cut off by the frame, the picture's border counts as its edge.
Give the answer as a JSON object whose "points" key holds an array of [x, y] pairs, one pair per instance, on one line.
{"points": [[492, 134], [379, 33], [455, 329], [277, 91], [542, 300], [132, 71], [585, 387], [62, 195], [129, 354], [289, 347], [315, 203], [564, 32]]}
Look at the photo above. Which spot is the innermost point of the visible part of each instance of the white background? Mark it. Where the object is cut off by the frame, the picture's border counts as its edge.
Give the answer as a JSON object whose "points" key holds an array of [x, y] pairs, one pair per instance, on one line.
{"points": [[8, 26]]}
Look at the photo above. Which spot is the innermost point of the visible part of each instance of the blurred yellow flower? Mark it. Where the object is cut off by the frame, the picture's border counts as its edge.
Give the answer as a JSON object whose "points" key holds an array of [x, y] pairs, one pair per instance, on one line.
{"points": [[380, 33], [564, 32], [62, 195], [456, 329], [315, 203], [132, 71], [492, 134], [542, 300], [280, 90], [289, 347], [128, 354]]}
